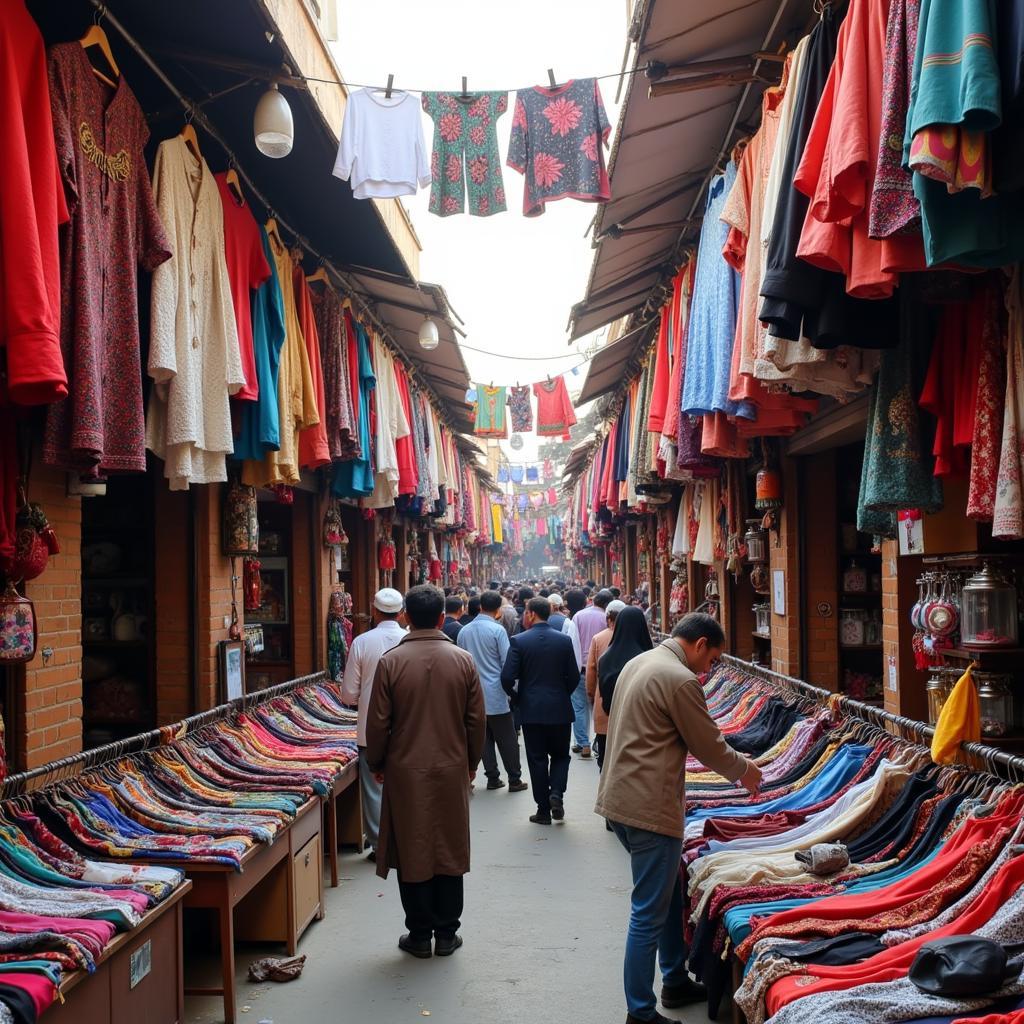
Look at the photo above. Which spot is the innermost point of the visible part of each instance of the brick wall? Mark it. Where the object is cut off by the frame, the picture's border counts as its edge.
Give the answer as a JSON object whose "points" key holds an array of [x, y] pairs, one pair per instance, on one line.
{"points": [[784, 554], [48, 711], [214, 586], [172, 625], [821, 572]]}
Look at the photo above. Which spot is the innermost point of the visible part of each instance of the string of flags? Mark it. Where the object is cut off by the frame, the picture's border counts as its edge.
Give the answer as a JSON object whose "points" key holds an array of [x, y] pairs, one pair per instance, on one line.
{"points": [[526, 472]]}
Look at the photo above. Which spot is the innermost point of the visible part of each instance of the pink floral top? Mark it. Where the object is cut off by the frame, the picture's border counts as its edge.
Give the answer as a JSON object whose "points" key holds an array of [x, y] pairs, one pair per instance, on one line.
{"points": [[557, 142], [466, 150]]}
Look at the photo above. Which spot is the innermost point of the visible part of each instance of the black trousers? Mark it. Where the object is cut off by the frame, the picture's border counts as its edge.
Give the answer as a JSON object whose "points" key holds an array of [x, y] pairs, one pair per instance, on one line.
{"points": [[548, 757], [432, 907], [600, 739], [501, 732]]}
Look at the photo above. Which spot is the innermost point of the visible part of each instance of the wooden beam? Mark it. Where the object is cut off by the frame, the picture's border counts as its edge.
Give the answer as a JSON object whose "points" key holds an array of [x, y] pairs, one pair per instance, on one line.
{"points": [[698, 82]]}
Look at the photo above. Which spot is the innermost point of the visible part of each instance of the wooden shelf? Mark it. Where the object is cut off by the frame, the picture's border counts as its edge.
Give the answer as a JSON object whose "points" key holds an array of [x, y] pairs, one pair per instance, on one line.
{"points": [[761, 636], [981, 653]]}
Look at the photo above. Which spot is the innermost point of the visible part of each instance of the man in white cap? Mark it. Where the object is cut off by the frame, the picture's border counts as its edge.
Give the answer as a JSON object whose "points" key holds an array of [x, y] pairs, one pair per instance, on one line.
{"points": [[356, 687]]}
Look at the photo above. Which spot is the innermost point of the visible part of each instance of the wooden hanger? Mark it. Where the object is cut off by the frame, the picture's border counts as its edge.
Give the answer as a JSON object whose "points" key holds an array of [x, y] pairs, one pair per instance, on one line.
{"points": [[232, 182], [97, 37], [273, 232], [188, 133], [320, 274]]}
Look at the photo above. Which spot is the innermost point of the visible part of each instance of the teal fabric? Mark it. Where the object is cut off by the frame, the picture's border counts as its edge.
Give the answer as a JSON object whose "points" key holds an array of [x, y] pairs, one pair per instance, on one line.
{"points": [[354, 478]]}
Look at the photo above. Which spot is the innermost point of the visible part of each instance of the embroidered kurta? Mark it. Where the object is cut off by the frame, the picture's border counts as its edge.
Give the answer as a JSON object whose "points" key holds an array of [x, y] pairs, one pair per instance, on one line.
{"points": [[296, 398], [193, 347], [342, 436], [114, 228], [313, 450]]}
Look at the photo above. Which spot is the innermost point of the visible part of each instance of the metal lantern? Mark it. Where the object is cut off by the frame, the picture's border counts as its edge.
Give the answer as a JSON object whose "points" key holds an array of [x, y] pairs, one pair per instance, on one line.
{"points": [[996, 703], [755, 541]]}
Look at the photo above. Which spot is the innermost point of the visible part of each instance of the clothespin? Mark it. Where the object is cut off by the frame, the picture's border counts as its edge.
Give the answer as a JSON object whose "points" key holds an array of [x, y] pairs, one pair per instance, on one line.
{"points": [[387, 91], [551, 77], [465, 89]]}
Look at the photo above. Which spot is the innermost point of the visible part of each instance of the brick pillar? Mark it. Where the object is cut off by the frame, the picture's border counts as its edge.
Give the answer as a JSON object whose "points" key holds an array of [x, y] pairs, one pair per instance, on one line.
{"points": [[821, 606], [48, 712], [214, 586], [172, 601], [784, 555]]}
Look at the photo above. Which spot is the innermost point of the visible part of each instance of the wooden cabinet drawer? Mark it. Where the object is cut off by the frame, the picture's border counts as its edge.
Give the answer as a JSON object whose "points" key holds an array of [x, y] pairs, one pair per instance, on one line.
{"points": [[307, 875]]}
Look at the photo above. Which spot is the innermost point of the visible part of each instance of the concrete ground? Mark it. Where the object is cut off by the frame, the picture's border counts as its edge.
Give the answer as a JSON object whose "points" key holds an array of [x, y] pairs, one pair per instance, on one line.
{"points": [[544, 927]]}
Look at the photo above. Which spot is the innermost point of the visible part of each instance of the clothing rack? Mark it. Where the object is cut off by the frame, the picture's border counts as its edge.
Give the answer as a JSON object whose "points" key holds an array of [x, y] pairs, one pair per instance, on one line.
{"points": [[996, 761], [68, 767]]}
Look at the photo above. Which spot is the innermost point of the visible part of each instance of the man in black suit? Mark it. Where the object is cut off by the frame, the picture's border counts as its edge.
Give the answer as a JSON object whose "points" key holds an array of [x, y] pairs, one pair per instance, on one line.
{"points": [[543, 664]]}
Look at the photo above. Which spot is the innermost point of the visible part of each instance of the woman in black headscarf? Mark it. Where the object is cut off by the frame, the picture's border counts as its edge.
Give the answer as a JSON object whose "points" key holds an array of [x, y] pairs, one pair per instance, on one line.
{"points": [[630, 638]]}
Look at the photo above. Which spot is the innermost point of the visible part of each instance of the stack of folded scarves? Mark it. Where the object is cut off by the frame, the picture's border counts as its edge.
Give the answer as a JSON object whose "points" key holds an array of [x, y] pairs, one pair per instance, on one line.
{"points": [[206, 797], [927, 859]]}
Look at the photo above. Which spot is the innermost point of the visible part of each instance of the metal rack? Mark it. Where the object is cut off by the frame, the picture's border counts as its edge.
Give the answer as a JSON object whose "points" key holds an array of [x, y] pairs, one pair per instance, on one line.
{"points": [[68, 767], [996, 761]]}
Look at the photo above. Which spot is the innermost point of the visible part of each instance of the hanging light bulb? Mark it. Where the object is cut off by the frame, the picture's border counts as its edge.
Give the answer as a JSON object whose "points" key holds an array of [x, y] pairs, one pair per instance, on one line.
{"points": [[272, 125], [428, 335]]}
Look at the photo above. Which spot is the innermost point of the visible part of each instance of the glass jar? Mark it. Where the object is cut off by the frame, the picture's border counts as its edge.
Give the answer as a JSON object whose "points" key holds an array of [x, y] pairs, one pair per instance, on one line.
{"points": [[996, 702], [938, 689], [873, 630], [754, 540], [851, 627], [989, 610], [762, 619], [855, 579]]}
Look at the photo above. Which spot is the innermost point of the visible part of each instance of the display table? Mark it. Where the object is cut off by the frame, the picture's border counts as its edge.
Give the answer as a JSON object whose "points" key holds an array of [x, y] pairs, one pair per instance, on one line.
{"points": [[277, 894], [138, 977], [343, 816]]}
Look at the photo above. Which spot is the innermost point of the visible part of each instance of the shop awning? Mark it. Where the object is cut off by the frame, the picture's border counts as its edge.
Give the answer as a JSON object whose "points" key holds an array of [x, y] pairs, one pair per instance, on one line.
{"points": [[714, 61], [609, 367], [579, 457], [402, 306]]}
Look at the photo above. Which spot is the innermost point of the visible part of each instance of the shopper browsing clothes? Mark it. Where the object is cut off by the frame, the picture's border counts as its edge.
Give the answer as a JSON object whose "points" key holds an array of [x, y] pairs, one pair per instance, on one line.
{"points": [[659, 715], [487, 643], [539, 675], [356, 687], [424, 735], [598, 646]]}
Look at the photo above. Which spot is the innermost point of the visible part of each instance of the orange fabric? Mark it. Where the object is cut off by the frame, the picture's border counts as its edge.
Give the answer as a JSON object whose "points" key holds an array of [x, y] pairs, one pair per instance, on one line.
{"points": [[660, 387], [313, 449]]}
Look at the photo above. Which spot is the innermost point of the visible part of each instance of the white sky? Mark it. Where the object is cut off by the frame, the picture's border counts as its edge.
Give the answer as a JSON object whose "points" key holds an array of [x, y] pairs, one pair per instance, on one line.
{"points": [[512, 280]]}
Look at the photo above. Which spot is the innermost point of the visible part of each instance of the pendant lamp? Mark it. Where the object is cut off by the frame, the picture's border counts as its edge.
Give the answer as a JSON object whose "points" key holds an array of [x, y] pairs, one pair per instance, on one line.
{"points": [[428, 335], [272, 125]]}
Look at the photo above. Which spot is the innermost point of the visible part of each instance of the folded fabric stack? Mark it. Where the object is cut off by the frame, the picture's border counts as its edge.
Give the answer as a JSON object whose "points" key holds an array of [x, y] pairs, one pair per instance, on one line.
{"points": [[926, 852], [203, 797]]}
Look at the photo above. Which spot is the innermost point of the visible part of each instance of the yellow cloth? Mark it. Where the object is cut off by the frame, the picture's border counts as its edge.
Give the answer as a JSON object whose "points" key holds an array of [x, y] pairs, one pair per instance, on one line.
{"points": [[496, 534], [959, 721]]}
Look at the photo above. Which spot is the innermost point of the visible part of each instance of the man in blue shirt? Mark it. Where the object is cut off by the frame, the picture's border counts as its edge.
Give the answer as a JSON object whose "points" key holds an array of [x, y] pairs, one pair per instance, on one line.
{"points": [[486, 640]]}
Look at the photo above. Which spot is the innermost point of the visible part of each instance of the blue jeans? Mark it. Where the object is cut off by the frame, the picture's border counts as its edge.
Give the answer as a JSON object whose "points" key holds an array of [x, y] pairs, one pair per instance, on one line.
{"points": [[655, 917], [371, 791], [581, 708]]}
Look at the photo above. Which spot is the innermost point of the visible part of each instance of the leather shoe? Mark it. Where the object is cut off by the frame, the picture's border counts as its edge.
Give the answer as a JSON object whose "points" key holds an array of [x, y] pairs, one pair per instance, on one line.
{"points": [[656, 1019], [420, 949], [540, 819], [445, 947], [557, 807], [518, 787], [576, 749], [674, 996], [495, 783], [585, 752]]}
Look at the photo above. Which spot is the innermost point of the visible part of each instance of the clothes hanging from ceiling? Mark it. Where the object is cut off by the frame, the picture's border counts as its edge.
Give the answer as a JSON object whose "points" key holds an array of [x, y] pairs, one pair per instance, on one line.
{"points": [[555, 413], [491, 411]]}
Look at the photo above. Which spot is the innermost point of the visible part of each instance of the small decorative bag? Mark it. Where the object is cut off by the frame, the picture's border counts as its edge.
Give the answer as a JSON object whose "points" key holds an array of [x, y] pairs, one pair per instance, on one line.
{"points": [[34, 542], [18, 627], [240, 524], [252, 585]]}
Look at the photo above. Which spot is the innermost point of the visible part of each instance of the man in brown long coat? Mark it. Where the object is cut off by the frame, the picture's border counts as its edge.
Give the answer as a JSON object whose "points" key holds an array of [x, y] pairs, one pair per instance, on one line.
{"points": [[425, 731]]}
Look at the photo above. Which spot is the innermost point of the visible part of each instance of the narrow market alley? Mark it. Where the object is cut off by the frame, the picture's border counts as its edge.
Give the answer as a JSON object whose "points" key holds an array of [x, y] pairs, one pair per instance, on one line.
{"points": [[573, 877]]}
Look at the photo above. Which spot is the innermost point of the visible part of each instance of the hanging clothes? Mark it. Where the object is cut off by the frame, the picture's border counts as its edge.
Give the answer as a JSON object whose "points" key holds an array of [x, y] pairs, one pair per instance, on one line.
{"points": [[194, 357], [519, 408], [558, 140], [381, 151], [1008, 513], [261, 420], [32, 205], [490, 412], [555, 414], [296, 398], [465, 152], [342, 435], [1008, 140], [313, 449], [100, 137], [247, 270], [988, 420], [837, 170], [354, 478], [390, 423]]}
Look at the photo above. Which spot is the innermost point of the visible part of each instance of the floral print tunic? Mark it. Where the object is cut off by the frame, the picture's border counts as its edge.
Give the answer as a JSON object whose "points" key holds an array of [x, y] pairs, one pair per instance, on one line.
{"points": [[557, 139], [466, 149]]}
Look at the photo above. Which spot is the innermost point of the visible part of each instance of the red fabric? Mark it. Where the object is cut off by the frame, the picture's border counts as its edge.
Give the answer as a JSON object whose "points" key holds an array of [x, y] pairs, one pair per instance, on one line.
{"points": [[408, 474], [1013, 1017], [31, 206], [554, 409], [671, 428], [247, 270], [894, 963], [41, 990], [352, 343], [660, 386], [837, 171], [313, 448]]}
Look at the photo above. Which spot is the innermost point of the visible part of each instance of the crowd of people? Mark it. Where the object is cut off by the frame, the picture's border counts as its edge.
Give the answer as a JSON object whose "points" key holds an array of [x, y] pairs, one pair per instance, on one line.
{"points": [[447, 680]]}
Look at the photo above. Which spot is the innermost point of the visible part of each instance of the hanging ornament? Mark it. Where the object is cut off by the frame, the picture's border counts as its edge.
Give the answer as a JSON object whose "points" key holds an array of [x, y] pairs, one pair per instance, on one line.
{"points": [[240, 524], [768, 483], [252, 585], [515, 442], [18, 627], [386, 555], [334, 531]]}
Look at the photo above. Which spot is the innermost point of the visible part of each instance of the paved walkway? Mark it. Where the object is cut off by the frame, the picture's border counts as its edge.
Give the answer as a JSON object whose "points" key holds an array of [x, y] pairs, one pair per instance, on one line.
{"points": [[544, 926]]}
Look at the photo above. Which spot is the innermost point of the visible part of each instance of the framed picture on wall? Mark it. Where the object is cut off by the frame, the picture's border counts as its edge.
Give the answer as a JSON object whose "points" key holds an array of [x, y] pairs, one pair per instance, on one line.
{"points": [[274, 601], [231, 662]]}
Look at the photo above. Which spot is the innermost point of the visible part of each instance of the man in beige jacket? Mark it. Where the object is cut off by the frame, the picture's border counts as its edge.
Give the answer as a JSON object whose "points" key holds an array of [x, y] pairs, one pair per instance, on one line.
{"points": [[658, 718]]}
